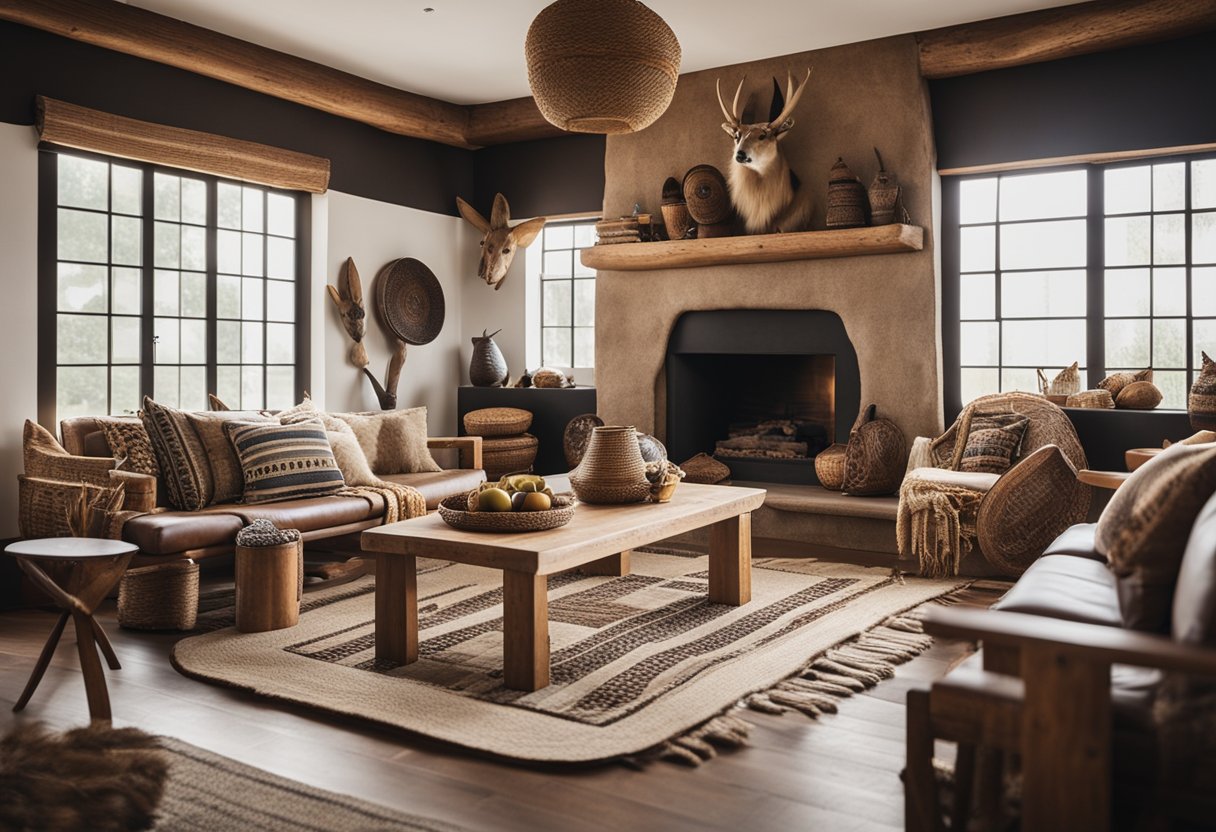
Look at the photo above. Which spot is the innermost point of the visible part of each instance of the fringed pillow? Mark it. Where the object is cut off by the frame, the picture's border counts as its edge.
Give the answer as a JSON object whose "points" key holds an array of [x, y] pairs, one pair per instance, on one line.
{"points": [[181, 456]]}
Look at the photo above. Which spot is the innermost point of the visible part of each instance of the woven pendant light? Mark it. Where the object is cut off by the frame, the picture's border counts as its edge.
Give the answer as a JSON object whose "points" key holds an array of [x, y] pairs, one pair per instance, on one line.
{"points": [[601, 66]]}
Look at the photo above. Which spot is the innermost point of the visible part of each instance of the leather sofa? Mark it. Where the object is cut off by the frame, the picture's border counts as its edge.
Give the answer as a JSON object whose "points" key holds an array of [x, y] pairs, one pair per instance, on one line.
{"points": [[1061, 685], [170, 535]]}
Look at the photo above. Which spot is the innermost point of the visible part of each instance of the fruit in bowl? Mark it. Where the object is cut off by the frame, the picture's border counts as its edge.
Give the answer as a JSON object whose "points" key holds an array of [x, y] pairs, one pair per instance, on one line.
{"points": [[514, 492]]}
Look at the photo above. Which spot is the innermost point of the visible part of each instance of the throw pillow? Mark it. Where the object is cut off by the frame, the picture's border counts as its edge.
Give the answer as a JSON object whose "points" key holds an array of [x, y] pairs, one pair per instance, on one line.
{"points": [[993, 443], [282, 462], [226, 474], [128, 440], [303, 410], [45, 458], [1145, 526], [394, 441], [351, 460], [180, 456]]}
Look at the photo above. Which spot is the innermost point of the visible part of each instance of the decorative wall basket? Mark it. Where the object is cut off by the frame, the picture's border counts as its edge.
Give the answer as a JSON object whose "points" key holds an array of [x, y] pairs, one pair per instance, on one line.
{"points": [[708, 201], [601, 66], [410, 301], [612, 470]]}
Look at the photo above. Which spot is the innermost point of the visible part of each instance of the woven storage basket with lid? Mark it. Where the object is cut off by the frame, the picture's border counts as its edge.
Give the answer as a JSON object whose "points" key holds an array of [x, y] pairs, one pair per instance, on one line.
{"points": [[829, 467], [508, 454], [612, 470], [159, 597], [497, 421]]}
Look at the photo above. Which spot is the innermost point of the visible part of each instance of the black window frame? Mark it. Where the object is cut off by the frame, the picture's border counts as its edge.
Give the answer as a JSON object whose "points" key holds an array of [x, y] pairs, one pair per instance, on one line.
{"points": [[1095, 268], [47, 246]]}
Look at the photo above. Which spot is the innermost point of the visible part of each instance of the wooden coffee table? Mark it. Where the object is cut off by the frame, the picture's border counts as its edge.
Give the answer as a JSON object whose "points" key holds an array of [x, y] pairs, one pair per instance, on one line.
{"points": [[597, 540]]}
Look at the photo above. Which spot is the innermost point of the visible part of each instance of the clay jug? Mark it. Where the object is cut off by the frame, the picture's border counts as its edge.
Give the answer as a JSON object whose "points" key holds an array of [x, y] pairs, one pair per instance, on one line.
{"points": [[487, 368]]}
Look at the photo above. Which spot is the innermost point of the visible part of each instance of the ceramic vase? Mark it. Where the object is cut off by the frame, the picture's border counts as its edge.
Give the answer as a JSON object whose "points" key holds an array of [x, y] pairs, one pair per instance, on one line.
{"points": [[487, 367]]}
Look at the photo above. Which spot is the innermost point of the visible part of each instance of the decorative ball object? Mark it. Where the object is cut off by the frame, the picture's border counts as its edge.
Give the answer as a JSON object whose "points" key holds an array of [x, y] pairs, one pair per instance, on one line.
{"points": [[601, 66], [1139, 395], [1201, 404]]}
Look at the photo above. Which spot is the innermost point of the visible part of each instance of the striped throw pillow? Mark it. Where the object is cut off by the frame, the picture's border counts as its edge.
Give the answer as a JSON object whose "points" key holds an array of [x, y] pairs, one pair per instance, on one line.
{"points": [[282, 462], [994, 442]]}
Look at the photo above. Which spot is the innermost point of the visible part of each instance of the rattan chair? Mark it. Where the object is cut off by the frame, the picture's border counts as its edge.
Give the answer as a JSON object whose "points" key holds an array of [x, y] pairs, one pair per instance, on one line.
{"points": [[1010, 519]]}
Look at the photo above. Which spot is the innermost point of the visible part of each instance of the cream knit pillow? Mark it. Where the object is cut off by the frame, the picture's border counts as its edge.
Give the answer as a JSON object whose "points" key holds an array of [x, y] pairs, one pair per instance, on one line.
{"points": [[394, 441]]}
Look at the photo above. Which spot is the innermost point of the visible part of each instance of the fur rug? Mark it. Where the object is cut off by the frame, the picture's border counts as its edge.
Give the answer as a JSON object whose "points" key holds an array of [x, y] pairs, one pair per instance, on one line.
{"points": [[98, 778]]}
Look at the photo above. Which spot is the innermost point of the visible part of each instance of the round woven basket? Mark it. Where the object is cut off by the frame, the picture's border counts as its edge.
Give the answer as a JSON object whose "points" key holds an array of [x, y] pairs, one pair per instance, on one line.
{"points": [[847, 201], [612, 470], [601, 66], [706, 194], [410, 301], [497, 421], [577, 435], [452, 510], [704, 469], [677, 220], [1091, 398], [508, 454], [829, 467], [159, 597]]}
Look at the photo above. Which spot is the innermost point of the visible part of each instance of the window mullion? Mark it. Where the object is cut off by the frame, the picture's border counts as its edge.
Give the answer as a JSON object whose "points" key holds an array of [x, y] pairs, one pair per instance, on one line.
{"points": [[212, 266], [1188, 268], [147, 327], [1095, 268]]}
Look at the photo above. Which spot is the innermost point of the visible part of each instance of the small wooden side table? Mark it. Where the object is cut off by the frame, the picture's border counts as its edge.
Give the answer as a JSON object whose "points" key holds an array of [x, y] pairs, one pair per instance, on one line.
{"points": [[86, 570]]}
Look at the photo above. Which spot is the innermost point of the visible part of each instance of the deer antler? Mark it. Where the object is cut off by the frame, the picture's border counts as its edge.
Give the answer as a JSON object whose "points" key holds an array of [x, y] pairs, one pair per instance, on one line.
{"points": [[732, 116], [792, 94], [387, 393]]}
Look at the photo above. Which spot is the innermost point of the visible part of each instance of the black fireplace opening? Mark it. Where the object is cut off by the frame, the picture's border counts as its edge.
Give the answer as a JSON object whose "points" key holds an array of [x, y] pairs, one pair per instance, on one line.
{"points": [[763, 391]]}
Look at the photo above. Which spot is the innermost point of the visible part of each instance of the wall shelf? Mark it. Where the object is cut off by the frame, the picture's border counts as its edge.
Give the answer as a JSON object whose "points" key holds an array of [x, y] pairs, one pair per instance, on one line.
{"points": [[759, 248]]}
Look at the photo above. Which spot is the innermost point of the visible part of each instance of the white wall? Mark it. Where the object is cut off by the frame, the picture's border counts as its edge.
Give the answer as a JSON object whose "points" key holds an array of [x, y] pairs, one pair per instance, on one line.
{"points": [[19, 311], [488, 309]]}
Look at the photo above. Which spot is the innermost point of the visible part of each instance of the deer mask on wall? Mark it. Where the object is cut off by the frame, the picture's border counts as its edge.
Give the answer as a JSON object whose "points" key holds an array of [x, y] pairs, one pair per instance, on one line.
{"points": [[501, 240], [765, 190]]}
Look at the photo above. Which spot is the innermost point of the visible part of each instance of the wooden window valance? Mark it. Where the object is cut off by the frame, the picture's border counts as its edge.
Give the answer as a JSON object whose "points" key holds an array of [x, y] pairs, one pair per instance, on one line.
{"points": [[79, 127]]}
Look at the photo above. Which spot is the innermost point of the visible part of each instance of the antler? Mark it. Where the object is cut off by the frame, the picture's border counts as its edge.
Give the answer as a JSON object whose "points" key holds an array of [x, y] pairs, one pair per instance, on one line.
{"points": [[792, 94], [732, 116]]}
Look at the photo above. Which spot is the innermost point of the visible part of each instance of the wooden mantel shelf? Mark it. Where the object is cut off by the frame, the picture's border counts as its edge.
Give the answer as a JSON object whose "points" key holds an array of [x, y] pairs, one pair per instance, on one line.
{"points": [[759, 248]]}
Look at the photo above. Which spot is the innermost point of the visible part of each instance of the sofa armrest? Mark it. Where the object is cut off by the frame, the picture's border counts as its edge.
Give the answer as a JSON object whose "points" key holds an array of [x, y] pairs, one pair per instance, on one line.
{"points": [[1089, 643], [139, 490], [469, 448]]}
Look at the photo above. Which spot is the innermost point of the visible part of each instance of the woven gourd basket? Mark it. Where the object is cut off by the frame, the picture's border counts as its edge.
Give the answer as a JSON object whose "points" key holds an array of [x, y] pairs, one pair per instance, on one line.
{"points": [[1139, 395], [848, 204], [497, 421], [1201, 404], [601, 66], [875, 458], [829, 467], [508, 454], [159, 597]]}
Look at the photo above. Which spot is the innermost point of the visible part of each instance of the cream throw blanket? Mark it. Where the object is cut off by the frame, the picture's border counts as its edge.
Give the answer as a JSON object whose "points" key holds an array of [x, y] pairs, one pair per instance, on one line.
{"points": [[936, 524]]}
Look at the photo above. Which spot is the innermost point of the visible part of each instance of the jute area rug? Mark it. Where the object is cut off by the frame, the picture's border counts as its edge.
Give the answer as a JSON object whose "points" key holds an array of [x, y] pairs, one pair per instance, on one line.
{"points": [[211, 793], [641, 664]]}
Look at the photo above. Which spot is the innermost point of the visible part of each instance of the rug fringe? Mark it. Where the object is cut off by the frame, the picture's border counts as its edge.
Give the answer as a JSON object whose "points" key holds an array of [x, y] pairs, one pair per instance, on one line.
{"points": [[850, 667]]}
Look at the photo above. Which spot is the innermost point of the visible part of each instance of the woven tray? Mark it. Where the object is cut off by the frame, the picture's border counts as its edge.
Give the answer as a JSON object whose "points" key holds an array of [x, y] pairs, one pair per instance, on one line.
{"points": [[497, 421], [452, 510]]}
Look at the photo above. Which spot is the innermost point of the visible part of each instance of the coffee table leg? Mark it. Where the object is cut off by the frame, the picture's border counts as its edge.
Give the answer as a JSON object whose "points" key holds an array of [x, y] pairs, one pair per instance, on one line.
{"points": [[44, 659], [90, 665], [614, 565], [525, 630], [396, 608], [730, 560]]}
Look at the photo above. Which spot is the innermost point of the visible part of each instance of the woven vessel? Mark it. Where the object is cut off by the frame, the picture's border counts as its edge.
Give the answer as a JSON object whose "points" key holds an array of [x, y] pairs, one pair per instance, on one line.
{"points": [[848, 204], [612, 470], [704, 469], [1139, 395], [497, 421], [576, 437], [883, 195], [707, 196], [508, 454], [487, 366], [601, 66], [829, 467], [875, 457], [159, 597], [1115, 382], [452, 511], [677, 220], [410, 301], [1065, 383], [1091, 398], [1201, 403]]}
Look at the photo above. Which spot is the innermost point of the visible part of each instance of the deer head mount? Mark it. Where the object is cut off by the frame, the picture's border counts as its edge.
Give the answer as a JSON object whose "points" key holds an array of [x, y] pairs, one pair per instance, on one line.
{"points": [[501, 241], [765, 190]]}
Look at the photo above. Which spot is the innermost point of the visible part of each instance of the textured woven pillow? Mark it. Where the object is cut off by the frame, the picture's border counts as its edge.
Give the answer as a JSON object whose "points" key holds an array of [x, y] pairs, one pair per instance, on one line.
{"points": [[227, 476], [993, 443], [128, 440], [283, 462], [394, 441], [180, 456], [1145, 526], [349, 456]]}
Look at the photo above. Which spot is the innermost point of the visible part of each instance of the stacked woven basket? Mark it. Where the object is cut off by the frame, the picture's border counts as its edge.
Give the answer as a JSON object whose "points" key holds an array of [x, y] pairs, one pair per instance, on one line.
{"points": [[506, 447]]}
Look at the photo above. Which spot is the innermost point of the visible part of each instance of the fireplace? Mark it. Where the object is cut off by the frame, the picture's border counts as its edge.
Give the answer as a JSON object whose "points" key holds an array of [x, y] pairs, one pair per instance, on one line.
{"points": [[763, 390]]}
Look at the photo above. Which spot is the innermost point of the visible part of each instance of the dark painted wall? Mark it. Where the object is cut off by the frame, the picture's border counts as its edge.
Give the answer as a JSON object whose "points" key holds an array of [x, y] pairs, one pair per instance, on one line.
{"points": [[551, 176], [1143, 97]]}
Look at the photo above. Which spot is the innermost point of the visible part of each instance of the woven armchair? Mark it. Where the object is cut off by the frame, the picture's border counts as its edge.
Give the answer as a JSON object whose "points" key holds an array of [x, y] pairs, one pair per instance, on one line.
{"points": [[946, 513]]}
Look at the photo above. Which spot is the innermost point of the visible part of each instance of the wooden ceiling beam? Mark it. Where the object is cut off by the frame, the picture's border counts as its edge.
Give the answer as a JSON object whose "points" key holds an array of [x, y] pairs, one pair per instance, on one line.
{"points": [[516, 120], [1058, 33]]}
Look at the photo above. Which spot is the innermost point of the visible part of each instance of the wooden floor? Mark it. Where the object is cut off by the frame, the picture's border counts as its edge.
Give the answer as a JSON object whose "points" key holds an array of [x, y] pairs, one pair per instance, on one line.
{"points": [[838, 773]]}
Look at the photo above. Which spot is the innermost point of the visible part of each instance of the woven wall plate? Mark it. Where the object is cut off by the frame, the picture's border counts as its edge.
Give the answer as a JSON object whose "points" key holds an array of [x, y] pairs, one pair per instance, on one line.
{"points": [[577, 435], [452, 510], [409, 301]]}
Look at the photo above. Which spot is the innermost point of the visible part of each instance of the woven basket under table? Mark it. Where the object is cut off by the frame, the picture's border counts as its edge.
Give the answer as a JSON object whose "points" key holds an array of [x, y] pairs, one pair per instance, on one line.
{"points": [[159, 597], [508, 454]]}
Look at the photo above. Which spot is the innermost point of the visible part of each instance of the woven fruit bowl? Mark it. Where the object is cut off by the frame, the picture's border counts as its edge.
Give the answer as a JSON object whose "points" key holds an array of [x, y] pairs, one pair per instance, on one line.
{"points": [[454, 513]]}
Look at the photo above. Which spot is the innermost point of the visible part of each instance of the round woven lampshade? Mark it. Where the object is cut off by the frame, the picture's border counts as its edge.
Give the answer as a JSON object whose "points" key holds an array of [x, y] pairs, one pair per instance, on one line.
{"points": [[601, 66]]}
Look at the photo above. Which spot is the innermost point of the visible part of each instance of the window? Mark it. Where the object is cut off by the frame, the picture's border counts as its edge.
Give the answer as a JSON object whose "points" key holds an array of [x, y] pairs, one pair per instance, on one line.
{"points": [[165, 283], [567, 296], [1112, 266]]}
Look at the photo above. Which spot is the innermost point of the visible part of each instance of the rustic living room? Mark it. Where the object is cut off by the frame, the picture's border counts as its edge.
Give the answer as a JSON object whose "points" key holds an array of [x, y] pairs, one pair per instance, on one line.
{"points": [[604, 414]]}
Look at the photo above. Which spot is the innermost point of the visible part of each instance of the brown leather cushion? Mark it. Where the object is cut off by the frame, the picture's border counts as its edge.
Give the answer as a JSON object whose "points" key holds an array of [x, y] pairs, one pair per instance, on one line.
{"points": [[1068, 588], [1077, 541], [1144, 530], [1194, 614], [435, 485], [171, 532], [307, 514]]}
